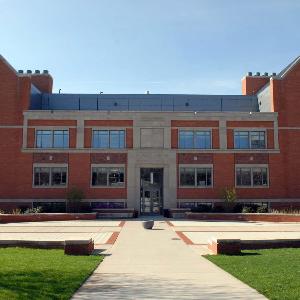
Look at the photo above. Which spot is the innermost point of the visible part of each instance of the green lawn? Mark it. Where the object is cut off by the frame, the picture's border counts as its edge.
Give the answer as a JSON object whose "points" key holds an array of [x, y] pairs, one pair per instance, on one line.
{"points": [[275, 273], [42, 274]]}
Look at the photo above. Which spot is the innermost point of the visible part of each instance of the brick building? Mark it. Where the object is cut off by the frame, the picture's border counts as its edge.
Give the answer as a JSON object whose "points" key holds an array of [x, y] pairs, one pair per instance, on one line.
{"points": [[149, 151]]}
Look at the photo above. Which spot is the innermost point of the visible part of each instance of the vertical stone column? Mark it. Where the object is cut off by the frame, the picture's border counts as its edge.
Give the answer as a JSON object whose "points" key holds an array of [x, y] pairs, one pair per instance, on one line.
{"points": [[80, 133], [223, 134]]}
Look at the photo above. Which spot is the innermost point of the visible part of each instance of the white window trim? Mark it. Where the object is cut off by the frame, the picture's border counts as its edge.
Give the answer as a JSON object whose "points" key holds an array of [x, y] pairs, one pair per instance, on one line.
{"points": [[108, 129], [52, 129], [251, 166], [195, 166], [50, 165], [195, 129], [107, 166], [251, 130]]}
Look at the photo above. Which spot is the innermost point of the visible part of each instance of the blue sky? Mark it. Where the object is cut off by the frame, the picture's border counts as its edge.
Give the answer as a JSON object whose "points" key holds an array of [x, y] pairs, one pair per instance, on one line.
{"points": [[164, 46]]}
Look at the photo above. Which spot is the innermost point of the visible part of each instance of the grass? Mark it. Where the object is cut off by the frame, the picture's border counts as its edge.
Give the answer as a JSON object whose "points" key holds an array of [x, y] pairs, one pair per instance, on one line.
{"points": [[275, 273], [42, 274]]}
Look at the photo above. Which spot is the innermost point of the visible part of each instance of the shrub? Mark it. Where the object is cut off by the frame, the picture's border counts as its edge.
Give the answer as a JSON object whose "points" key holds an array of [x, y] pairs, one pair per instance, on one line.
{"points": [[262, 209], [16, 211], [247, 210], [74, 198], [230, 197], [34, 210]]}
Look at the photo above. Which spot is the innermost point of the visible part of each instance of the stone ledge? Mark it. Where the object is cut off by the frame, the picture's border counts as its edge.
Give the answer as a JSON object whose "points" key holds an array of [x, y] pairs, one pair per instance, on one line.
{"points": [[71, 247], [41, 217], [244, 217]]}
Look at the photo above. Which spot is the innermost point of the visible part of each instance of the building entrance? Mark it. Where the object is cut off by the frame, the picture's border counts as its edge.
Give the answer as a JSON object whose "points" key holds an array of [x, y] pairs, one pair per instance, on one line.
{"points": [[151, 196]]}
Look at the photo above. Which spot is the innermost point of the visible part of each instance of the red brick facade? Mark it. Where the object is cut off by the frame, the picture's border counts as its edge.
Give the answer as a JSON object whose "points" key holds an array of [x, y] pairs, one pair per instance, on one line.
{"points": [[18, 145]]}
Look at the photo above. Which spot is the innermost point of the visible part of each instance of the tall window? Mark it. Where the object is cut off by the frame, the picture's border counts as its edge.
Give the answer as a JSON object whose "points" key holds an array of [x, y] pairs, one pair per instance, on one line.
{"points": [[50, 176], [195, 177], [108, 176], [52, 138], [249, 139], [104, 139], [194, 139], [251, 176]]}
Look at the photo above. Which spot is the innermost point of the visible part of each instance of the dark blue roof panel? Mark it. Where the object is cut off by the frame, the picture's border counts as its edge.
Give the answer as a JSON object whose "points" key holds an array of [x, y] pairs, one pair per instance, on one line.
{"points": [[144, 102]]}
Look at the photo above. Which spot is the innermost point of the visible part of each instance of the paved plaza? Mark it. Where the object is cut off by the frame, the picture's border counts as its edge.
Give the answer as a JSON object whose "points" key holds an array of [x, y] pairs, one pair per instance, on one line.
{"points": [[99, 231], [158, 263], [199, 232]]}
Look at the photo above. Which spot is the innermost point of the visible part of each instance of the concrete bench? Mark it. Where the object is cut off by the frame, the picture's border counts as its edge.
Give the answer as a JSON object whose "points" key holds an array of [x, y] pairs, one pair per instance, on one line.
{"points": [[79, 247], [224, 246]]}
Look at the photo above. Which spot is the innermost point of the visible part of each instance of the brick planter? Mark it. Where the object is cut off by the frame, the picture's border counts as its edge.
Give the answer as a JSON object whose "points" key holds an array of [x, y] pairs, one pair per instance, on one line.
{"points": [[79, 247], [243, 217], [9, 218]]}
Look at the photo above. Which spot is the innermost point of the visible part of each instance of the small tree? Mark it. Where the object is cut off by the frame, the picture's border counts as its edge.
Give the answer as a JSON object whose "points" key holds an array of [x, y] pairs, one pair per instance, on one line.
{"points": [[74, 198], [230, 197]]}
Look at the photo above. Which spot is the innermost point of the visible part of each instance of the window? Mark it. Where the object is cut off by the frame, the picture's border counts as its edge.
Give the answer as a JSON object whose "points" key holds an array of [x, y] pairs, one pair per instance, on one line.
{"points": [[194, 139], [251, 176], [195, 177], [50, 176], [249, 139], [108, 176], [52, 138], [109, 139]]}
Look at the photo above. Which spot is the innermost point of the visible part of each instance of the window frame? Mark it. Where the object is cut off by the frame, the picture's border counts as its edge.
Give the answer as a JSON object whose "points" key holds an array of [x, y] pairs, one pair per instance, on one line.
{"points": [[196, 167], [50, 166], [108, 166], [194, 130], [250, 131], [52, 137], [109, 130], [252, 166]]}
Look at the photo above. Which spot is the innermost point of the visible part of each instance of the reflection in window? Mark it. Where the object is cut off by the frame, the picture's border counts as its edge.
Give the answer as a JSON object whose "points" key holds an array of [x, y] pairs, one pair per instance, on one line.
{"points": [[108, 176], [252, 176], [196, 177], [52, 138], [50, 176], [249, 139], [108, 139], [194, 139]]}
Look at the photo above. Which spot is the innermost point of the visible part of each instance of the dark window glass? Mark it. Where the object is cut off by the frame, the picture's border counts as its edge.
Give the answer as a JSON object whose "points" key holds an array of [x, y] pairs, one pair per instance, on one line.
{"points": [[260, 176], [243, 177], [44, 139], [187, 176], [204, 177], [116, 177], [61, 139], [99, 176], [59, 176], [241, 140], [258, 140], [41, 176]]}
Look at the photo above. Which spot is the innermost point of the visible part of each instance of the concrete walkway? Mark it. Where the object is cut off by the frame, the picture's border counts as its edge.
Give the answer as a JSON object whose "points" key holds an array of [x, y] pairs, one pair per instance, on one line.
{"points": [[156, 264]]}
